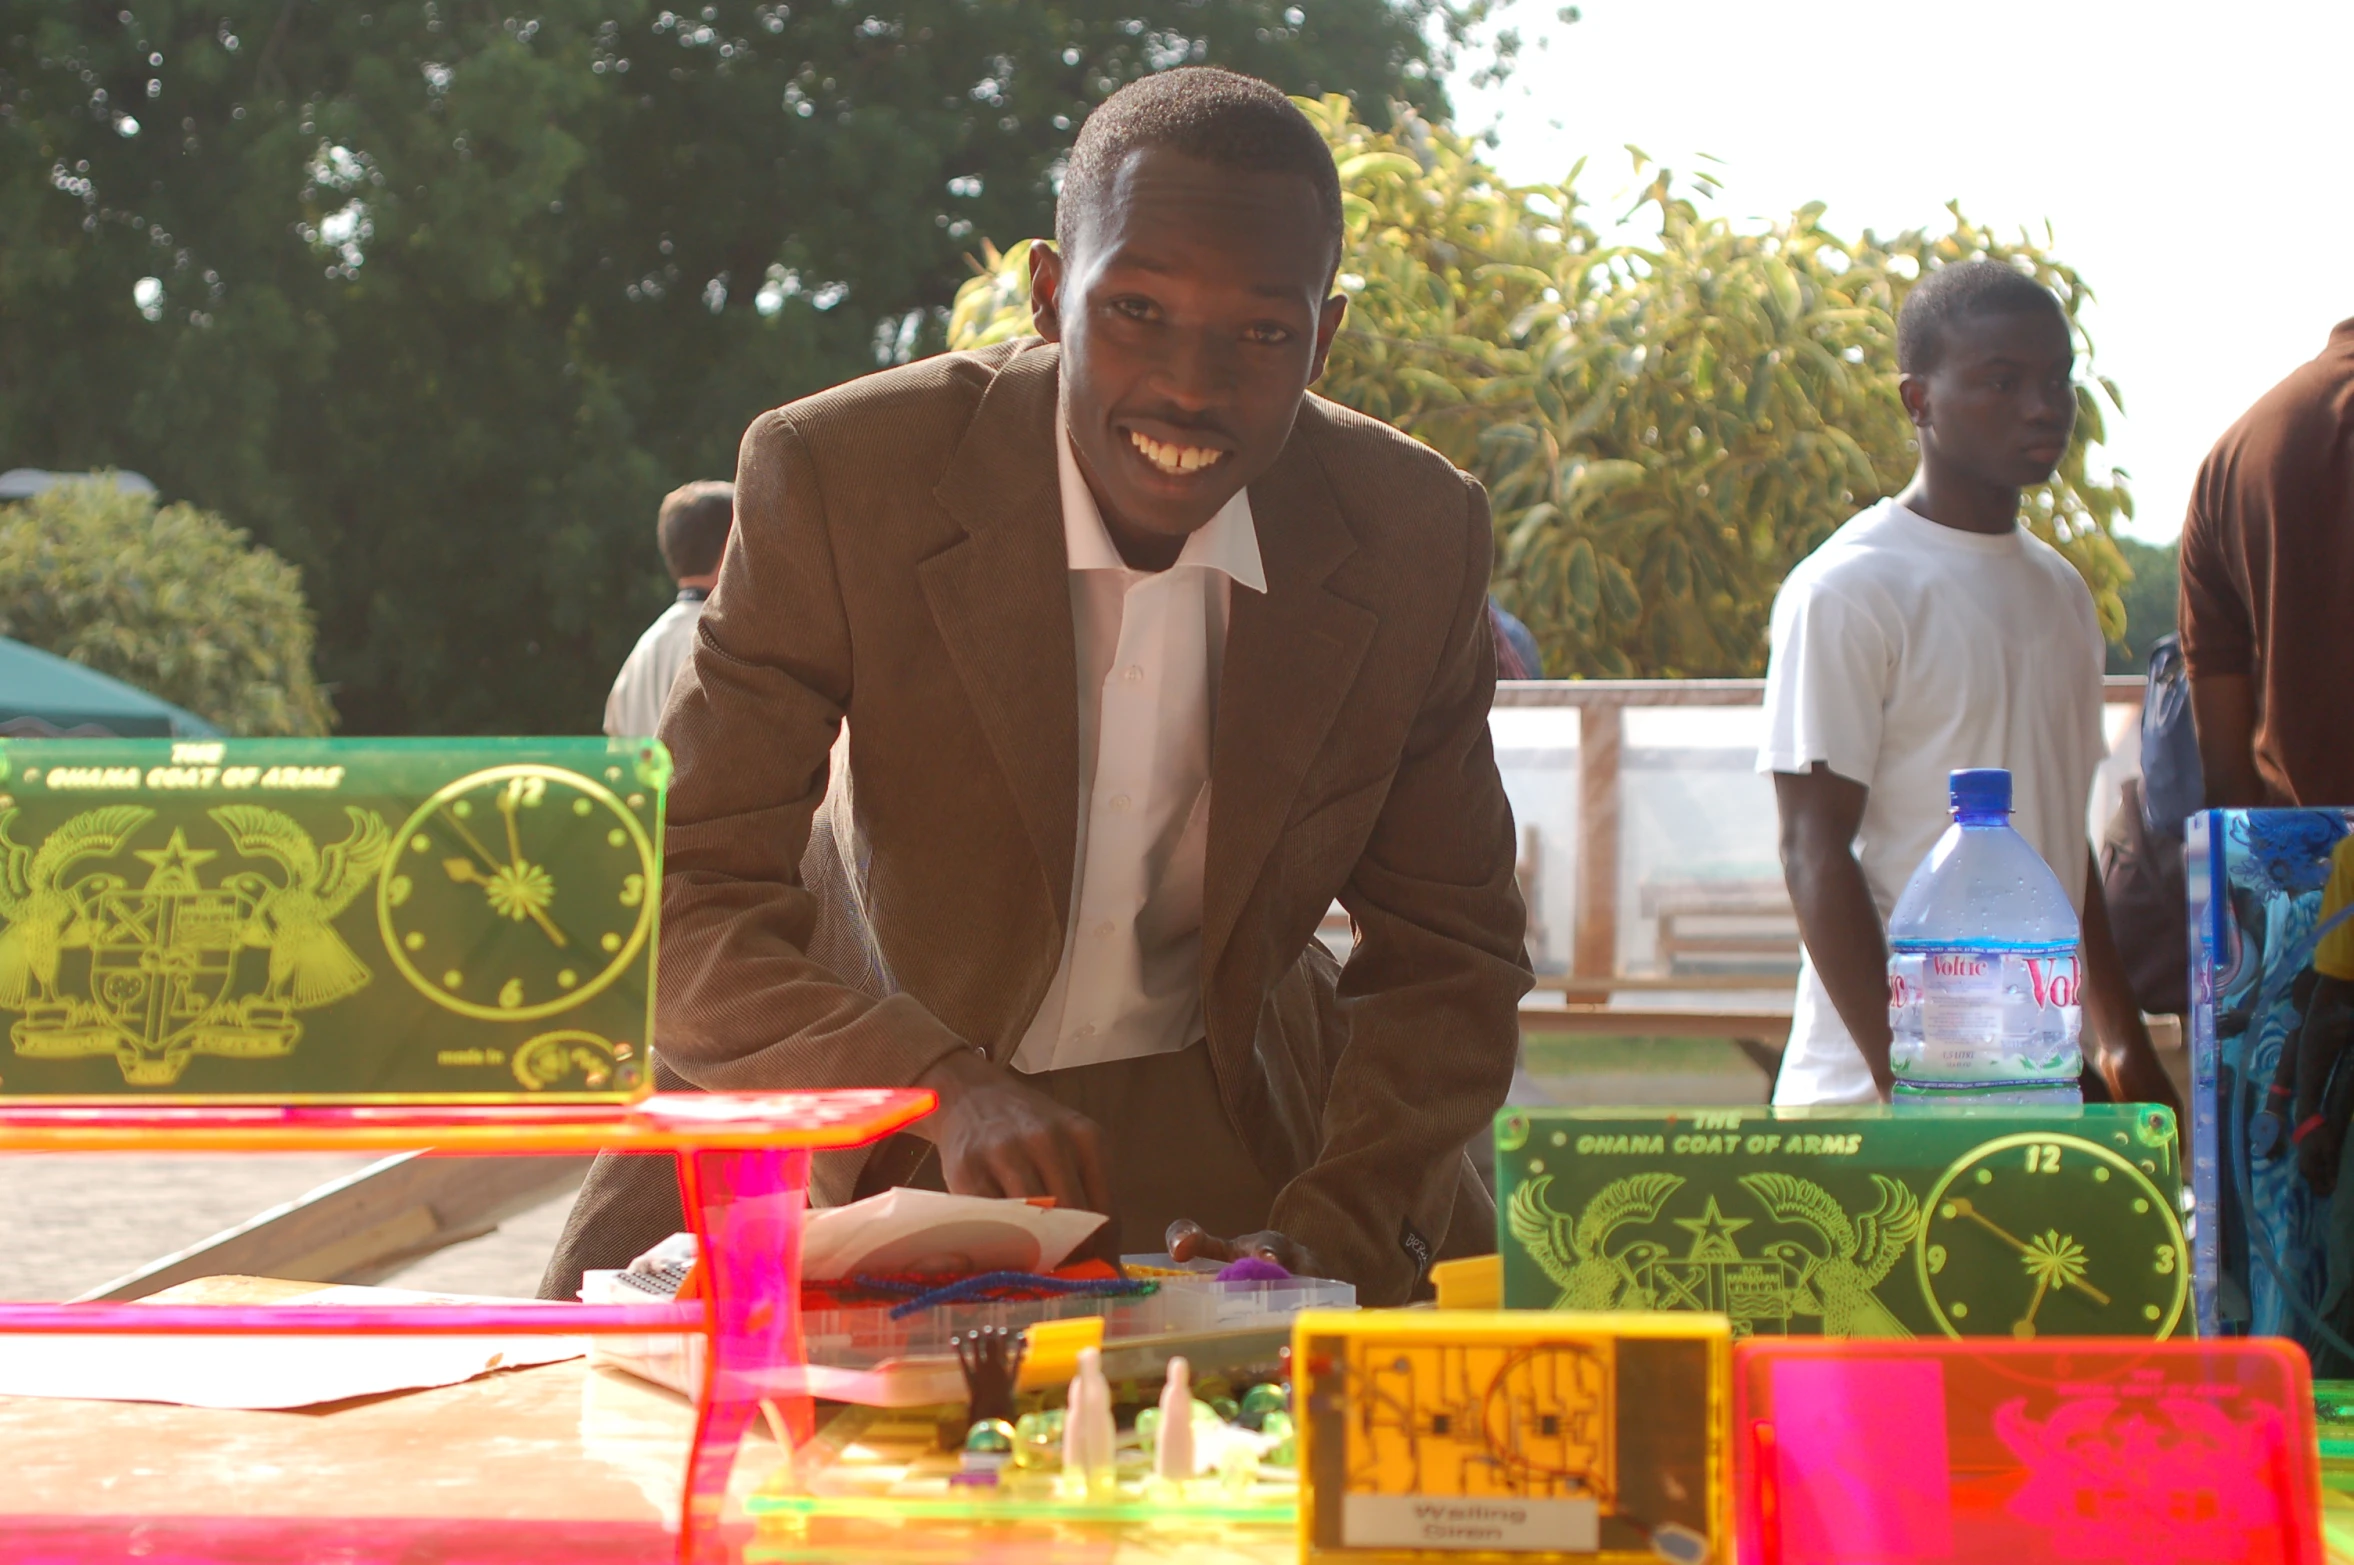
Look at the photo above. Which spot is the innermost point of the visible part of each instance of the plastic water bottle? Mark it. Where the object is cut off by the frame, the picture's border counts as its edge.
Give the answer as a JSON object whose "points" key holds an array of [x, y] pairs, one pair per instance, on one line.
{"points": [[1984, 973]]}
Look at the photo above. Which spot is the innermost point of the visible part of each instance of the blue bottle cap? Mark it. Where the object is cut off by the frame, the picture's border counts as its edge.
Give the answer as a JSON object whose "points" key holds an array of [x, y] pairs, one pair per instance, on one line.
{"points": [[1982, 790]]}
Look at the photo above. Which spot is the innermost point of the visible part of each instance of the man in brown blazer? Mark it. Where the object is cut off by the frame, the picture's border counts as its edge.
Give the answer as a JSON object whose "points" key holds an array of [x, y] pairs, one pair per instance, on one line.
{"points": [[1144, 656]]}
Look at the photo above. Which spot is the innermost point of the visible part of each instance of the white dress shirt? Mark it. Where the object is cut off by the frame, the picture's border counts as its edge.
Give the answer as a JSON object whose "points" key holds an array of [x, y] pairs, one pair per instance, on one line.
{"points": [[1150, 645], [635, 704]]}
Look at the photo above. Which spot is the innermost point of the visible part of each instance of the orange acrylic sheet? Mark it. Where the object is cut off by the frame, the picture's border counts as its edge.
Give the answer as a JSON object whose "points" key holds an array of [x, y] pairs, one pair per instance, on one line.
{"points": [[2084, 1449]]}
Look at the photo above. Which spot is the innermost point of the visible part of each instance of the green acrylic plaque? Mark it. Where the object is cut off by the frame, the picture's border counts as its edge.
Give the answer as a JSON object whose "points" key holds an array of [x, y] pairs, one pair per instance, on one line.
{"points": [[1850, 1222], [329, 920]]}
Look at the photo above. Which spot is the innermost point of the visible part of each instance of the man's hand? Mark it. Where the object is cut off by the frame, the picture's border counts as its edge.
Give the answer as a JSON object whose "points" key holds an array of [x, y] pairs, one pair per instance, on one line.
{"points": [[2121, 1042], [999, 1136], [1820, 811], [1188, 1241]]}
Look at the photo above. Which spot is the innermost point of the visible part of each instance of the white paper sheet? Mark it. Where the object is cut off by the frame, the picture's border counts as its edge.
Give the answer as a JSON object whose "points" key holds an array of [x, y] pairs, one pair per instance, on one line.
{"points": [[907, 1230], [267, 1372]]}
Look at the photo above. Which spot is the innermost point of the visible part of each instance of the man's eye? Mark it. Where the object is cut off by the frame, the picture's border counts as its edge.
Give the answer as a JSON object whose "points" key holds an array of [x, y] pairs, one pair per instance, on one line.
{"points": [[1135, 309], [1267, 334]]}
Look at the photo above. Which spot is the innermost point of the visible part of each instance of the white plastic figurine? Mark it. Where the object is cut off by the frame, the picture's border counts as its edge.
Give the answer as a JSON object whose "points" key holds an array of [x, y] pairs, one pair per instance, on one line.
{"points": [[1075, 1430], [1089, 1436], [1172, 1456]]}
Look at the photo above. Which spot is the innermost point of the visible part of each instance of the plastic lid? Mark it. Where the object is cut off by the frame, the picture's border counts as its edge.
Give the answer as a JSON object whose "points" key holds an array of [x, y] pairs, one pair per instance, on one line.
{"points": [[1982, 790]]}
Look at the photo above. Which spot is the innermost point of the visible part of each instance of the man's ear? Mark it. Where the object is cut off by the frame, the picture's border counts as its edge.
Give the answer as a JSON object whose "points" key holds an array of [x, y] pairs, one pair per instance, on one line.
{"points": [[1328, 321], [1046, 291], [1914, 390]]}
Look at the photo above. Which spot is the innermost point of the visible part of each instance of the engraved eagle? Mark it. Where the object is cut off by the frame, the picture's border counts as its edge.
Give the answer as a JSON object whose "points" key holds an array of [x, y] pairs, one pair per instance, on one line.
{"points": [[309, 963], [1573, 1251], [1857, 1254], [45, 918]]}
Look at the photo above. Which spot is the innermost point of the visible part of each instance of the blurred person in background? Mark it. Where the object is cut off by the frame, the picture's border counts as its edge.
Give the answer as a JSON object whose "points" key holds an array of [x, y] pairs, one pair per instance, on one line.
{"points": [[2267, 590], [2267, 579], [692, 531], [1517, 656], [1930, 634]]}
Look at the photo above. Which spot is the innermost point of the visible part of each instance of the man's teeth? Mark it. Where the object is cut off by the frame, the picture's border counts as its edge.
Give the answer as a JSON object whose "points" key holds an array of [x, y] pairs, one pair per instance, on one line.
{"points": [[1174, 459]]}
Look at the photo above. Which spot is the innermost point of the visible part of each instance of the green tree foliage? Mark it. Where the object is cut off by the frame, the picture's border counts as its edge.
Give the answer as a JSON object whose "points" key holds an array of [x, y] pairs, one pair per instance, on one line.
{"points": [[173, 600], [2149, 600], [1664, 428], [441, 299]]}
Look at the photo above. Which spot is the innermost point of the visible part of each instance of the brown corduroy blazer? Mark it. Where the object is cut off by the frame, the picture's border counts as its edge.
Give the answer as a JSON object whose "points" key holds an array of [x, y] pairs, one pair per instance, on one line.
{"points": [[898, 564]]}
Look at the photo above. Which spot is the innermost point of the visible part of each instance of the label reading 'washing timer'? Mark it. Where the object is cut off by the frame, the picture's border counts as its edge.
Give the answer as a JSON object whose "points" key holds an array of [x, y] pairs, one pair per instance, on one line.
{"points": [[1417, 1521]]}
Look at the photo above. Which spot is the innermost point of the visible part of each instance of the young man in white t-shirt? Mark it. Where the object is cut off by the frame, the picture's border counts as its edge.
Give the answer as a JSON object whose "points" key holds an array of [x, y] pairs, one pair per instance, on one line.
{"points": [[1929, 634]]}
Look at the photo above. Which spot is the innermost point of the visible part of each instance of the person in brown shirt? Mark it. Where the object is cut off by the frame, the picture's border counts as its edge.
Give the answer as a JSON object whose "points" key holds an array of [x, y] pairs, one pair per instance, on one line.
{"points": [[2267, 602]]}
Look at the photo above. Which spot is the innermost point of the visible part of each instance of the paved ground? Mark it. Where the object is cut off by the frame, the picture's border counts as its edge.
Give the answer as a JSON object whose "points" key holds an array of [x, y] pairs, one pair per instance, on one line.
{"points": [[70, 1223]]}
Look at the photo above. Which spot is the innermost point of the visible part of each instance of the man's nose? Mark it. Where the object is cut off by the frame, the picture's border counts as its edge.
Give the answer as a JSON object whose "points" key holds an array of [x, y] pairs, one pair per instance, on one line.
{"points": [[2055, 405], [1199, 370]]}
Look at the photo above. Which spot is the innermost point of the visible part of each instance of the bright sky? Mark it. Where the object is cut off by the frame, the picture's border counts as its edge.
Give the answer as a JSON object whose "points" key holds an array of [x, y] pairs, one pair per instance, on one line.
{"points": [[2194, 161]]}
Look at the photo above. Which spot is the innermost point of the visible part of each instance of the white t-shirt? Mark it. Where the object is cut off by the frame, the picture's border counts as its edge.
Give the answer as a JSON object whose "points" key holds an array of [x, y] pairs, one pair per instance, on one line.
{"points": [[1902, 651], [635, 704]]}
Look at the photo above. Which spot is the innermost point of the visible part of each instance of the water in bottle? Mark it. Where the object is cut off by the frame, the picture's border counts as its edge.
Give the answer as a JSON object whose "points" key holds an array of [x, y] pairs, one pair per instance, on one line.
{"points": [[1984, 970]]}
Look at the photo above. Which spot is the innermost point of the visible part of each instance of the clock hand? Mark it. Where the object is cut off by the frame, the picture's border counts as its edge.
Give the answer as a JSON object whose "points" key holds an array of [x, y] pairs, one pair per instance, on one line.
{"points": [[2026, 1323], [548, 928], [466, 874], [514, 842], [1962, 1208], [480, 851], [507, 805]]}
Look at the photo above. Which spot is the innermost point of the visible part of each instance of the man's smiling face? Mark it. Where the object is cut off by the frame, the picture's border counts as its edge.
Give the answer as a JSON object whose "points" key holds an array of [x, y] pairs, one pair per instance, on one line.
{"points": [[1193, 316]]}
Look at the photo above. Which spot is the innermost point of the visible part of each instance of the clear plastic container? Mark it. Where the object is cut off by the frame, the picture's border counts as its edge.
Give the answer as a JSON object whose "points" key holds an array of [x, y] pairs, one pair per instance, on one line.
{"points": [[1984, 966], [862, 1355]]}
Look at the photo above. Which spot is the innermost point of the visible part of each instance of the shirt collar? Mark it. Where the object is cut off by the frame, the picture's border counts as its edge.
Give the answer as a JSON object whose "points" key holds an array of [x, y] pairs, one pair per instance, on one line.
{"points": [[1229, 542]]}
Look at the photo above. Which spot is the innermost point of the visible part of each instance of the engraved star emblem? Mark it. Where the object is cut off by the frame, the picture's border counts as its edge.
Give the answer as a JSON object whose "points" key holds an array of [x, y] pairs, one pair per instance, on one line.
{"points": [[175, 862], [1712, 1234]]}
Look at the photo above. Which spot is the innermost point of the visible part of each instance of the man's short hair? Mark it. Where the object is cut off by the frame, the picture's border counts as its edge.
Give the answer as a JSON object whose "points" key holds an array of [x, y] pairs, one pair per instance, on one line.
{"points": [[1957, 292], [694, 525], [1234, 121]]}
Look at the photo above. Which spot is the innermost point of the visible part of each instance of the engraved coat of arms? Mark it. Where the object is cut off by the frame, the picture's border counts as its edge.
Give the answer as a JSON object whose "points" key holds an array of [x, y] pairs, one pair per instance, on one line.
{"points": [[150, 973], [1831, 1279]]}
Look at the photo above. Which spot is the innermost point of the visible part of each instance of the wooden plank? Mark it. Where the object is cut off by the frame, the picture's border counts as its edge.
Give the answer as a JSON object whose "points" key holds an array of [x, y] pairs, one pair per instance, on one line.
{"points": [[1663, 983], [2116, 690], [363, 1228], [1770, 1027], [1594, 937], [1630, 692]]}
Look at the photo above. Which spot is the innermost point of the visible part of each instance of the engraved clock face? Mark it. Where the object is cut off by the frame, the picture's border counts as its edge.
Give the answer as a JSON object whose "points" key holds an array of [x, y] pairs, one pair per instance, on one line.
{"points": [[2037, 1235], [517, 892]]}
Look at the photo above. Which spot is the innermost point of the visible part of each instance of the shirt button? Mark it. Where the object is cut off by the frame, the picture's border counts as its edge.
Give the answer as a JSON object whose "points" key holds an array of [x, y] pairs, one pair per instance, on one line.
{"points": [[1087, 1031], [1134, 674], [1107, 928], [1119, 801]]}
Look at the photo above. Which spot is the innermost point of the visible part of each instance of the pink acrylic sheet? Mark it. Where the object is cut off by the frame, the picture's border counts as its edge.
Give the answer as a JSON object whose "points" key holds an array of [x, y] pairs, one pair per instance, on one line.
{"points": [[2092, 1450]]}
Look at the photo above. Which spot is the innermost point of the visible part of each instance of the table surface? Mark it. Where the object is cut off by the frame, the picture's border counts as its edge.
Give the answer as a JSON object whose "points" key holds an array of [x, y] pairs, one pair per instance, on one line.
{"points": [[578, 1462], [562, 1462]]}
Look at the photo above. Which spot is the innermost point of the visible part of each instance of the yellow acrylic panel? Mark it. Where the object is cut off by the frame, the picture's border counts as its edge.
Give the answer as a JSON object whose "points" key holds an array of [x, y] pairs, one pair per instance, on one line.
{"points": [[320, 921], [1466, 1435]]}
